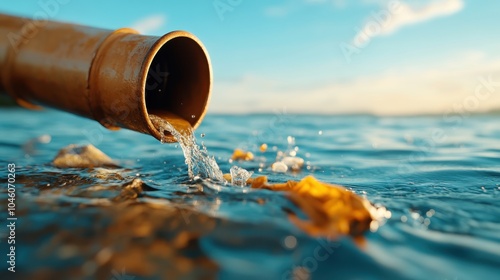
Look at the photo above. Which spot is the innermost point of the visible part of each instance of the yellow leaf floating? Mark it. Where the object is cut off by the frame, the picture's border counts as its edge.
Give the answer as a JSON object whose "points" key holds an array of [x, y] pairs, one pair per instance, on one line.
{"points": [[332, 210]]}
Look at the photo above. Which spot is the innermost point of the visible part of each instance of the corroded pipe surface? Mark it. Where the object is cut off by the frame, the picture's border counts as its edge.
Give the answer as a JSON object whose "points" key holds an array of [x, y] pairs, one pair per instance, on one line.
{"points": [[115, 77]]}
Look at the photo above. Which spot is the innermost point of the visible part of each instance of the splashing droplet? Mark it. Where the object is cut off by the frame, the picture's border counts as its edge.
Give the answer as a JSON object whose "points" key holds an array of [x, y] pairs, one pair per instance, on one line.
{"points": [[239, 176]]}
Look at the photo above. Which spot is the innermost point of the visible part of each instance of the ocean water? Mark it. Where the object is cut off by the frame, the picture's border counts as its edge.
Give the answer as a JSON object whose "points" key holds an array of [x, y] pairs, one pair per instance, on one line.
{"points": [[439, 177]]}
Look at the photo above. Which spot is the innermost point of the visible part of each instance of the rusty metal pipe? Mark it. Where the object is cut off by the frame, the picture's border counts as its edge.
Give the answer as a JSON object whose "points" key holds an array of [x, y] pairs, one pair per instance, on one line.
{"points": [[115, 77]]}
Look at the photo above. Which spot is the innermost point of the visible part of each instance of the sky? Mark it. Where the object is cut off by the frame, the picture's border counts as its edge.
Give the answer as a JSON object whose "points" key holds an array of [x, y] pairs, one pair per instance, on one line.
{"points": [[384, 57]]}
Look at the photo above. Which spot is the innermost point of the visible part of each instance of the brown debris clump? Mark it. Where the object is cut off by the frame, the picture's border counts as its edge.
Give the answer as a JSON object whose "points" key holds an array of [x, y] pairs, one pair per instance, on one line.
{"points": [[240, 154], [332, 210], [88, 156]]}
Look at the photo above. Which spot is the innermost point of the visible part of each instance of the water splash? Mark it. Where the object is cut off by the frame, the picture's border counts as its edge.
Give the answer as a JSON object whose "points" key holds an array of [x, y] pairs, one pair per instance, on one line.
{"points": [[199, 162], [239, 176]]}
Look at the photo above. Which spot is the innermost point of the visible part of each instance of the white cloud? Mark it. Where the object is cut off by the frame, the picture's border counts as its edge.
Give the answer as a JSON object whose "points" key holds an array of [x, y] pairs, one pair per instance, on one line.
{"points": [[390, 20], [150, 24], [437, 89]]}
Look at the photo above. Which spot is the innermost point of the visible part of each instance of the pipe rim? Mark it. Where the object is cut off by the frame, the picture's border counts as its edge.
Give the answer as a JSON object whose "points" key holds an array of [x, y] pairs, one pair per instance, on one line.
{"points": [[148, 61]]}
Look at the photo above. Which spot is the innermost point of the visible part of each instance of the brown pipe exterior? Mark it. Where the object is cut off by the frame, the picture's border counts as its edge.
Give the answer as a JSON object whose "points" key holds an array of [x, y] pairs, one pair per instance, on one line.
{"points": [[115, 77]]}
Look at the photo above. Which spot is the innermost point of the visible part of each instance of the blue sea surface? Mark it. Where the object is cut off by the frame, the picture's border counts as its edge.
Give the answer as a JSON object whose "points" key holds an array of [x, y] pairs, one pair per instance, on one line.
{"points": [[438, 176]]}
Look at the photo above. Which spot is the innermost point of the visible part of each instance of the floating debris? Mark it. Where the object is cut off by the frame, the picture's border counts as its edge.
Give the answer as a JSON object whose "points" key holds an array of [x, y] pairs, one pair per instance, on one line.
{"points": [[240, 154], [279, 167], [132, 190], [263, 148], [332, 210], [288, 160], [293, 163], [87, 156]]}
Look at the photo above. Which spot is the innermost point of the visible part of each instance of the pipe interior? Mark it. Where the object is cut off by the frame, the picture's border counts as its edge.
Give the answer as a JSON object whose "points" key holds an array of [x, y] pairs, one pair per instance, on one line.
{"points": [[178, 80]]}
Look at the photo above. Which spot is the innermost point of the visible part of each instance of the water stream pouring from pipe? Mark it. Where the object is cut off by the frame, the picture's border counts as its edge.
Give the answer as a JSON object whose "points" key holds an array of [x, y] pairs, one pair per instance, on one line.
{"points": [[199, 162]]}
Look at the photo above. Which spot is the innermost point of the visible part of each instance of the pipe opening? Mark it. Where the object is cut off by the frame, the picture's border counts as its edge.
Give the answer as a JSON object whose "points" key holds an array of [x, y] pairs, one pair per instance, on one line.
{"points": [[178, 80]]}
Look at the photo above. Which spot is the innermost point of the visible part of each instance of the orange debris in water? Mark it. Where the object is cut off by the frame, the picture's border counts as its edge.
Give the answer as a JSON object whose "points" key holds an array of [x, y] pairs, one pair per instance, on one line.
{"points": [[239, 154], [227, 177], [263, 148], [332, 210]]}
